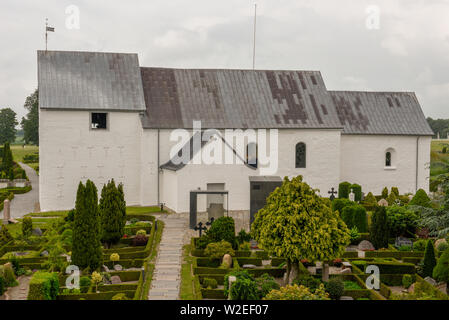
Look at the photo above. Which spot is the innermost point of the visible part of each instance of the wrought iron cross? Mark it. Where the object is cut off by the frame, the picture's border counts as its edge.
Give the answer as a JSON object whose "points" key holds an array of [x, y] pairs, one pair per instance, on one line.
{"points": [[200, 228], [208, 223], [332, 192]]}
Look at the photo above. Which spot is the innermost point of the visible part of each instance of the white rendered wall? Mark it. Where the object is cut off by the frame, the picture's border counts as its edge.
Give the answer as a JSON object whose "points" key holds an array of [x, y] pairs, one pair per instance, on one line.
{"points": [[71, 152], [322, 169], [363, 162]]}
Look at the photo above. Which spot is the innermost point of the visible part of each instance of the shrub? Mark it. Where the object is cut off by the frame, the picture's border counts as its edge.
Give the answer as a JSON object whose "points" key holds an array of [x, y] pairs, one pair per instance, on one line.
{"points": [[84, 284], [335, 287], [344, 190], [239, 274], [112, 210], [339, 204], [2, 285], [308, 281], [27, 226], [87, 249], [355, 216], [429, 260], [140, 240], [216, 250], [391, 199], [441, 271], [222, 229], [385, 193], [357, 189], [295, 292], [402, 221], [43, 286], [370, 202], [120, 296], [407, 280], [354, 234], [210, 283], [442, 246], [420, 199], [395, 191], [243, 236], [419, 245], [405, 248], [7, 272], [95, 279], [379, 231], [141, 232], [245, 246], [114, 257], [265, 284], [5, 236]]}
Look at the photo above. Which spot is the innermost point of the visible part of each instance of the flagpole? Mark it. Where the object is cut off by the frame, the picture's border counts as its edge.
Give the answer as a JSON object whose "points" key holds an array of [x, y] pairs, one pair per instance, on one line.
{"points": [[46, 33]]}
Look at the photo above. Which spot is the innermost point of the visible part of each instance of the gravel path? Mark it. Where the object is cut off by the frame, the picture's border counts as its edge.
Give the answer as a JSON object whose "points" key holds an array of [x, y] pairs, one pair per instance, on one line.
{"points": [[23, 204], [19, 292]]}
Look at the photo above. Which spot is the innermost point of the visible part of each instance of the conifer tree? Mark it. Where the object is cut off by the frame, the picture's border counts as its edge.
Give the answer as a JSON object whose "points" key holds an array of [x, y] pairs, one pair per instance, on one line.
{"points": [[86, 248], [379, 228], [429, 261], [112, 213]]}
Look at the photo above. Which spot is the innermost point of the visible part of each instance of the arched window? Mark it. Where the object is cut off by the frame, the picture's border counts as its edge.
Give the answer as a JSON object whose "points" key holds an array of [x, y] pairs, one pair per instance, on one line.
{"points": [[251, 154], [388, 159], [300, 159], [390, 156]]}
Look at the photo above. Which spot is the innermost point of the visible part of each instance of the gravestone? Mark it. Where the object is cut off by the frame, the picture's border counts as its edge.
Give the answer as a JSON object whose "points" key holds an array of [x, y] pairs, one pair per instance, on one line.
{"points": [[231, 280], [116, 280], [227, 260], [352, 196], [383, 203], [402, 241], [365, 245], [6, 211], [37, 232]]}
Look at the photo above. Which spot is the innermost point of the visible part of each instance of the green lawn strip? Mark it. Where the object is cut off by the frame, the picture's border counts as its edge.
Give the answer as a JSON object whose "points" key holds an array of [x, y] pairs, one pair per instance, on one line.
{"points": [[187, 291], [149, 264], [133, 210], [18, 151]]}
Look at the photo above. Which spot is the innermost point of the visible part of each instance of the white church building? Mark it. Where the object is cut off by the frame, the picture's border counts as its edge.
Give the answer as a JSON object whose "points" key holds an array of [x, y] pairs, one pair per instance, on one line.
{"points": [[104, 116]]}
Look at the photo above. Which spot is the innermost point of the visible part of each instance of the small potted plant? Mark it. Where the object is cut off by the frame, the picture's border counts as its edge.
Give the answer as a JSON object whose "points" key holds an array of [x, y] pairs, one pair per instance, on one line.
{"points": [[96, 278], [114, 258]]}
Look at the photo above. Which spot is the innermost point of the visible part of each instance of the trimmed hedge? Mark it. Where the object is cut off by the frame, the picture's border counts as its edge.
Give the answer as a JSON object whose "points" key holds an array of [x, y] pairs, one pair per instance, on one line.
{"points": [[393, 254], [387, 267], [394, 279], [213, 294], [118, 287], [43, 286], [261, 254], [357, 189], [254, 261], [95, 296], [344, 190]]}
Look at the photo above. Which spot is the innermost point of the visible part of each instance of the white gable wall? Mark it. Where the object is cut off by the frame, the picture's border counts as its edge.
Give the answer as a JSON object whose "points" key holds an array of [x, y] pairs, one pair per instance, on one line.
{"points": [[71, 152], [363, 162]]}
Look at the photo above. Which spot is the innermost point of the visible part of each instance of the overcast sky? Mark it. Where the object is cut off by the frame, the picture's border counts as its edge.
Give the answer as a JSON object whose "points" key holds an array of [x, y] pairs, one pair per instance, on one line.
{"points": [[408, 50]]}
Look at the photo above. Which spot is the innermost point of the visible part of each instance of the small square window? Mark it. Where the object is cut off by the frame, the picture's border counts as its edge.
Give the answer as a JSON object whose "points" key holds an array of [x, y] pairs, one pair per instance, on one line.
{"points": [[98, 121]]}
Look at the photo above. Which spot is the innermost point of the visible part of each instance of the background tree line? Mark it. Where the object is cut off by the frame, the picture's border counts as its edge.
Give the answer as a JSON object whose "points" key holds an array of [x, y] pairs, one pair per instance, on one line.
{"points": [[29, 123], [440, 126]]}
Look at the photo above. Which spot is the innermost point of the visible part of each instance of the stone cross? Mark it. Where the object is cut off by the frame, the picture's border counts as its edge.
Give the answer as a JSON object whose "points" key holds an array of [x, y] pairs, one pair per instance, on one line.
{"points": [[352, 195], [200, 228], [332, 193], [6, 211]]}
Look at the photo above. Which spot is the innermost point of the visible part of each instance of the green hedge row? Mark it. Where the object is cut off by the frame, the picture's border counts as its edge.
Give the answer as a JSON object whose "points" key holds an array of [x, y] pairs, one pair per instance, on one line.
{"points": [[276, 262], [393, 254], [118, 287], [254, 261], [43, 286], [95, 296], [394, 279], [213, 294], [238, 253], [262, 254], [141, 217], [387, 267], [217, 277]]}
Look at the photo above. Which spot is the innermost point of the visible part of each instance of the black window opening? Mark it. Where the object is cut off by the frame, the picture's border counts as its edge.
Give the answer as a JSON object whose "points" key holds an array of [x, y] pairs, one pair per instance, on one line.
{"points": [[251, 154], [300, 159], [388, 159], [98, 120]]}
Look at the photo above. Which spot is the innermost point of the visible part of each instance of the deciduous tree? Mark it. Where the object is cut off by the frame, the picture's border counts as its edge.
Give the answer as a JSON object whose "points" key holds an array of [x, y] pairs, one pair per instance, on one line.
{"points": [[8, 123], [296, 224]]}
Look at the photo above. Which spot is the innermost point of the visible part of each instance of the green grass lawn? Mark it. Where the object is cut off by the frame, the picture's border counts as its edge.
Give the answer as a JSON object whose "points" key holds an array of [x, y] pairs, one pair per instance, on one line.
{"points": [[18, 151]]}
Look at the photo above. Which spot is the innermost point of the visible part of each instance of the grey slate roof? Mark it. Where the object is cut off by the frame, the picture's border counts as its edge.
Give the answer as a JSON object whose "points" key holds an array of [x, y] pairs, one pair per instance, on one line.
{"points": [[273, 99], [89, 80], [397, 113], [174, 98]]}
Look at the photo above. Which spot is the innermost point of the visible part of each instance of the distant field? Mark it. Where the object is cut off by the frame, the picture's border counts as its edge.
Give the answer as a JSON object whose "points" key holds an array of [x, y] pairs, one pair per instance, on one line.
{"points": [[18, 151], [439, 161]]}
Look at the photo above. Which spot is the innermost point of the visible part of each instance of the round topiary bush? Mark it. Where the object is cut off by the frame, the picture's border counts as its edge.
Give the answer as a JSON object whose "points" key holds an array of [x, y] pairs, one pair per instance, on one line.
{"points": [[216, 250], [335, 287], [407, 280], [420, 199], [222, 229]]}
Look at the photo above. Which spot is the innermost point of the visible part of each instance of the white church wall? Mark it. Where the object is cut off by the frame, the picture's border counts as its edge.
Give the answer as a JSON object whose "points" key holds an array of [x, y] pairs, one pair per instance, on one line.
{"points": [[363, 162], [170, 189], [70, 151], [149, 168], [322, 169]]}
